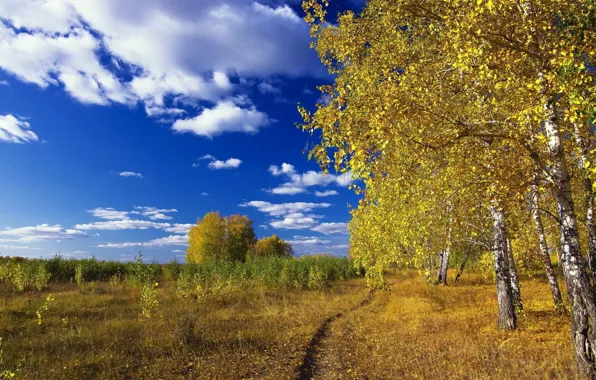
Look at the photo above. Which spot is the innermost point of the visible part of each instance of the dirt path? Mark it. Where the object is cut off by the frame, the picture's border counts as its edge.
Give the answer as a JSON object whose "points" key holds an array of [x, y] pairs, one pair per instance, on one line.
{"points": [[316, 351]]}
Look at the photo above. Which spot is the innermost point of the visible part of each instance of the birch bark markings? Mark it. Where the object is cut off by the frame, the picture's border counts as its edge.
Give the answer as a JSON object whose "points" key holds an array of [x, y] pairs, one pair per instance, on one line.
{"points": [[544, 253], [579, 290], [507, 319]]}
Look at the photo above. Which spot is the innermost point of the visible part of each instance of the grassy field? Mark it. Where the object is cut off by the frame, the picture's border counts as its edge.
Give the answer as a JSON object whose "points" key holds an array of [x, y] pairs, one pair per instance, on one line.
{"points": [[414, 330]]}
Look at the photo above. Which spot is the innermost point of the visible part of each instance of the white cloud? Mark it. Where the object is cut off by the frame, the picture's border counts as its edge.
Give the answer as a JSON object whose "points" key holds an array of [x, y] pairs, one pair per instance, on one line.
{"points": [[230, 163], [313, 240], [6, 246], [4, 83], [205, 194], [326, 193], [89, 47], [284, 169], [331, 228], [127, 224], [179, 228], [164, 241], [295, 221], [131, 174], [109, 213], [280, 209], [224, 117], [15, 130], [298, 183], [267, 88], [153, 213], [42, 232], [287, 189], [178, 251]]}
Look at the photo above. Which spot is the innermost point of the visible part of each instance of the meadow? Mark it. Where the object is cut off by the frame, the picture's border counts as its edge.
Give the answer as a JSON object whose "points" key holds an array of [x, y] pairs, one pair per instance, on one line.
{"points": [[266, 319]]}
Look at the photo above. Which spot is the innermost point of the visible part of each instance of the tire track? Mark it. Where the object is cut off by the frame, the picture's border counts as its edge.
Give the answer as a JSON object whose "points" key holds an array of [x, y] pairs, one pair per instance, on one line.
{"points": [[307, 369]]}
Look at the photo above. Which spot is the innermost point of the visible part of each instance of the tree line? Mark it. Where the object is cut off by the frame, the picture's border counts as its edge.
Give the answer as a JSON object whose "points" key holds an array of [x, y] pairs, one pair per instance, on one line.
{"points": [[470, 124], [231, 238]]}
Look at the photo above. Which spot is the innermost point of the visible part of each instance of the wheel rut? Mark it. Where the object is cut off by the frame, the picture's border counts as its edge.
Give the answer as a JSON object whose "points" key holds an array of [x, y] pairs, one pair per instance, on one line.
{"points": [[309, 366]]}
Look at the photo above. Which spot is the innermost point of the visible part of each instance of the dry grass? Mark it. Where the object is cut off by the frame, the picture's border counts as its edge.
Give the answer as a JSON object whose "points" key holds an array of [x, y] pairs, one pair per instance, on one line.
{"points": [[412, 331], [257, 334], [417, 331]]}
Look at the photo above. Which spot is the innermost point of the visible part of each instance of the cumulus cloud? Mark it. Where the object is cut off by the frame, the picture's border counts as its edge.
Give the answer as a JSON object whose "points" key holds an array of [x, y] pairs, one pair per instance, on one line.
{"points": [[284, 169], [4, 83], [298, 183], [224, 117], [138, 51], [331, 228], [130, 174], [42, 232], [14, 130], [153, 213], [179, 228], [164, 241], [295, 221], [108, 213], [280, 209], [230, 163], [326, 193]]}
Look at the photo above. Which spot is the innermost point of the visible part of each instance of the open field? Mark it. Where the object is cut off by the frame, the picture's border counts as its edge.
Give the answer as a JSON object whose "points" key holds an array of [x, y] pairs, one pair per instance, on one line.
{"points": [[412, 331]]}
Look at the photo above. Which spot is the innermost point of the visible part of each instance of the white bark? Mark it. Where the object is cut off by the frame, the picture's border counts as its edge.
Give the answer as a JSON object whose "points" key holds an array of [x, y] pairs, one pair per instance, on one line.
{"points": [[581, 298], [589, 202], [515, 289], [507, 319], [548, 266]]}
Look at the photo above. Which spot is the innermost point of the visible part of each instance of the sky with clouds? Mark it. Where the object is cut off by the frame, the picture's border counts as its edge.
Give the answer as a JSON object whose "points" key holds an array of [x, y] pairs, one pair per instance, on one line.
{"points": [[122, 122]]}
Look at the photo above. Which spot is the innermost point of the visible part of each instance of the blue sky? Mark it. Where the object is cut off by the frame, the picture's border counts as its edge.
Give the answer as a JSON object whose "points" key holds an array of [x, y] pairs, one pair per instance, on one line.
{"points": [[121, 123]]}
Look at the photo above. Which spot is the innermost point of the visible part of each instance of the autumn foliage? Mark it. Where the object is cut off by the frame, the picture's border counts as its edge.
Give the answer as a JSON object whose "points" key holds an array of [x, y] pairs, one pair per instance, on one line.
{"points": [[232, 238], [273, 246], [466, 120]]}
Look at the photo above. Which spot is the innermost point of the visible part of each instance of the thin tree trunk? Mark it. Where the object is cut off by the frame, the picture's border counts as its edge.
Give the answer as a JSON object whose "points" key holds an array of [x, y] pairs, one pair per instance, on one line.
{"points": [[444, 264], [579, 290], [507, 319], [589, 202], [460, 271], [515, 289], [440, 267], [548, 266]]}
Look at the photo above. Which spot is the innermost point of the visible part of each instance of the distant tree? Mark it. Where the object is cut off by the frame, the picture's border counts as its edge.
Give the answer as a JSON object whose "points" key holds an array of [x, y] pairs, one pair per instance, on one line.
{"points": [[206, 239], [240, 237], [219, 238], [273, 246]]}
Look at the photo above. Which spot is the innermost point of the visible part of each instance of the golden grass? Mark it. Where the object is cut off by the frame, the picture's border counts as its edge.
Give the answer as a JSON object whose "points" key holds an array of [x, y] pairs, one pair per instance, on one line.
{"points": [[414, 331], [417, 331]]}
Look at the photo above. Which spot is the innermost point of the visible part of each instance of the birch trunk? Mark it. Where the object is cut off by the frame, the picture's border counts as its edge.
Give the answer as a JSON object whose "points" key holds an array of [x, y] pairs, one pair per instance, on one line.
{"points": [[515, 289], [444, 264], [460, 271], [589, 203], [507, 319], [548, 266], [440, 267], [579, 290]]}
